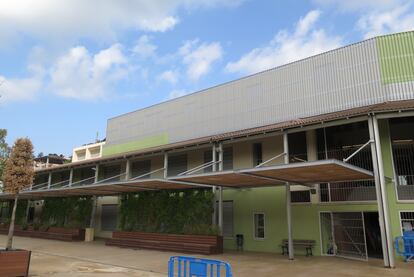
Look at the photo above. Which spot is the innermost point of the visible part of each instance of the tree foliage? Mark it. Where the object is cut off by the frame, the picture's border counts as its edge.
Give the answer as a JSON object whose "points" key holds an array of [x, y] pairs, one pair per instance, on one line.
{"points": [[4, 151], [169, 211], [18, 173]]}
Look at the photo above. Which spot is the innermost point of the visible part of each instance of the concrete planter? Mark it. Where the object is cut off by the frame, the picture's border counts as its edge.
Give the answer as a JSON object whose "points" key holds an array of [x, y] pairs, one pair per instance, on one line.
{"points": [[89, 234], [14, 262]]}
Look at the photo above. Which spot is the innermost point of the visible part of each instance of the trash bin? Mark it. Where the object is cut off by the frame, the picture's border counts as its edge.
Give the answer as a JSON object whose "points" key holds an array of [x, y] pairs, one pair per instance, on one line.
{"points": [[239, 241]]}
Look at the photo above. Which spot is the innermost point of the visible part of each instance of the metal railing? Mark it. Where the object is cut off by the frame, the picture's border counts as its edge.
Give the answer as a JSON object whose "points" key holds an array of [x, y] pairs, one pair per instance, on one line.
{"points": [[403, 154], [355, 191]]}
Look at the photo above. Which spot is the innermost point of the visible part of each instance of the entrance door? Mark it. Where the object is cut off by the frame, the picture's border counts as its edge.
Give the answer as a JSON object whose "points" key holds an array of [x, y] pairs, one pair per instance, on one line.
{"points": [[349, 234], [343, 235]]}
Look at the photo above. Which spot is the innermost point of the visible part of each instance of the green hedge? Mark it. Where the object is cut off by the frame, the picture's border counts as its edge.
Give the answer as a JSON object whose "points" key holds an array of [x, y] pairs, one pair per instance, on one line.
{"points": [[67, 212], [168, 211]]}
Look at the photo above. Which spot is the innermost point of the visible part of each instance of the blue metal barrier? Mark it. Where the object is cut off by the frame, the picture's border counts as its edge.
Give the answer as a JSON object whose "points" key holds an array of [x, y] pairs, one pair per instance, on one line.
{"points": [[407, 243], [194, 267]]}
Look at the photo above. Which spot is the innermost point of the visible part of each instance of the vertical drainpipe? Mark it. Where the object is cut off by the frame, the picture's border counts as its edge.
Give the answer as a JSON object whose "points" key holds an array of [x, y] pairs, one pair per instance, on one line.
{"points": [[165, 165], [214, 169], [220, 200], [381, 193], [288, 204]]}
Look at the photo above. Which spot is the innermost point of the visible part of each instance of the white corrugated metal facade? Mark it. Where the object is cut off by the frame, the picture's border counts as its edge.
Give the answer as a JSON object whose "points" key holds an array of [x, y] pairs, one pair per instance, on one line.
{"points": [[341, 79]]}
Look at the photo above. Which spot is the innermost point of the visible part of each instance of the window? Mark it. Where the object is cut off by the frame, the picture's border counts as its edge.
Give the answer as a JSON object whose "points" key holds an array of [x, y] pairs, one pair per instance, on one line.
{"points": [[227, 218], [257, 154], [109, 217], [208, 157], [228, 158], [139, 168], [259, 226], [177, 164], [407, 221], [300, 196]]}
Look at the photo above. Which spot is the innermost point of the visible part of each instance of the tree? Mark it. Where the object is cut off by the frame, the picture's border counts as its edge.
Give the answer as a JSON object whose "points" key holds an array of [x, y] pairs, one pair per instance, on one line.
{"points": [[18, 174], [4, 151]]}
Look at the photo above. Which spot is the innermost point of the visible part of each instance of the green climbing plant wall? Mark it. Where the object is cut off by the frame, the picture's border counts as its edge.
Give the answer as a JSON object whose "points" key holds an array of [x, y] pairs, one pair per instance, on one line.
{"points": [[168, 211], [66, 212]]}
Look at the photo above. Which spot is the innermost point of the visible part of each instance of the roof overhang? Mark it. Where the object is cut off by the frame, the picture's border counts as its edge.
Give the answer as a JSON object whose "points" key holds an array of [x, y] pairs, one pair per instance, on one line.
{"points": [[304, 173]]}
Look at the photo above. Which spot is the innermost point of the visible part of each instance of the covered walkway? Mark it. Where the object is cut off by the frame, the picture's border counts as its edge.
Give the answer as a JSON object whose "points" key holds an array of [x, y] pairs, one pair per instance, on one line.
{"points": [[55, 258]]}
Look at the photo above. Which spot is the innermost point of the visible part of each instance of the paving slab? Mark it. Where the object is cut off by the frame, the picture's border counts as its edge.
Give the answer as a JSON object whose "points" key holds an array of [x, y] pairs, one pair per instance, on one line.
{"points": [[57, 258]]}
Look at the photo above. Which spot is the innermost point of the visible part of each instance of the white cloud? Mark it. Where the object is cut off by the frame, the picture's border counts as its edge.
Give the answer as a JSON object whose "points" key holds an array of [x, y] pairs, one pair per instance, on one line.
{"points": [[176, 93], [200, 57], [358, 5], [170, 76], [84, 76], [54, 19], [19, 89], [286, 47], [144, 48], [394, 20]]}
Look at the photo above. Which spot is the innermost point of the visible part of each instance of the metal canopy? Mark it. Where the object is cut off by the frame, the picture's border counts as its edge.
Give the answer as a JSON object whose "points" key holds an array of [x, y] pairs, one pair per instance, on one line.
{"points": [[229, 179], [103, 189], [306, 173]]}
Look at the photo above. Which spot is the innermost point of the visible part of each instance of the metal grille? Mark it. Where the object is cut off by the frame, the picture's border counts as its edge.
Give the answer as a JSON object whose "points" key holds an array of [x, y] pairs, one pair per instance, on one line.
{"points": [[300, 196], [83, 176], [349, 233], [109, 171], [227, 218], [109, 217], [407, 221], [403, 154], [228, 158], [177, 164], [139, 168]]}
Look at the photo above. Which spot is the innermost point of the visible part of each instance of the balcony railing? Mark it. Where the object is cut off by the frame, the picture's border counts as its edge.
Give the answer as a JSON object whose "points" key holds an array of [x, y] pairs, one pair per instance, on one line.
{"points": [[403, 154]]}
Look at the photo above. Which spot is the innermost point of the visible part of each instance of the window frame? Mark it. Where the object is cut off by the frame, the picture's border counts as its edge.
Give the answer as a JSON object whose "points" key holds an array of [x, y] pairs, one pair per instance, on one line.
{"points": [[254, 226], [400, 218]]}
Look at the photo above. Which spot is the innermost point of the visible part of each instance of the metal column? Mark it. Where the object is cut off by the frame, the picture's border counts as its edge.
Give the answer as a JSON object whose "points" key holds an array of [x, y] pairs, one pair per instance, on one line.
{"points": [[94, 200], [220, 200], [165, 165], [381, 192], [70, 177], [128, 170], [214, 169], [288, 202], [49, 180]]}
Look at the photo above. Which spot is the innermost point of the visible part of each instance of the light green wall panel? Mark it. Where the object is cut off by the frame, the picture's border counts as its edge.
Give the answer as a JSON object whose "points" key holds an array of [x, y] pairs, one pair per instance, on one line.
{"points": [[396, 56], [148, 142]]}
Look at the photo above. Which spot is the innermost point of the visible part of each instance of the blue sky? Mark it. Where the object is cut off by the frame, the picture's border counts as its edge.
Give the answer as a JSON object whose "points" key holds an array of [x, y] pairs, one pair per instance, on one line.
{"points": [[68, 66]]}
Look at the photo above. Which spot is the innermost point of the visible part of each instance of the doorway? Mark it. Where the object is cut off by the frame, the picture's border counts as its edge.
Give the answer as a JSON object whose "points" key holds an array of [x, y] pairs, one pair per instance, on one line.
{"points": [[354, 235]]}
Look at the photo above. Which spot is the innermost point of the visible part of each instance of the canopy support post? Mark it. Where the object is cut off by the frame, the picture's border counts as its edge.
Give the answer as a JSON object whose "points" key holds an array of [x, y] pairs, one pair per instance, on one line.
{"points": [[383, 216], [214, 169], [288, 200], [49, 180], [220, 200]]}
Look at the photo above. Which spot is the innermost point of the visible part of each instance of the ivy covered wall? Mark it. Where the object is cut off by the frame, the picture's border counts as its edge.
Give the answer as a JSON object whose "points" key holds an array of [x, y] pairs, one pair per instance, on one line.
{"points": [[71, 212], [168, 211]]}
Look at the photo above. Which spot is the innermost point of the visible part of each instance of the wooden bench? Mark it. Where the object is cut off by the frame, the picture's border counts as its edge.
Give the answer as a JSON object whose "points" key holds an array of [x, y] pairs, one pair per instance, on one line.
{"points": [[54, 233], [297, 243], [197, 244]]}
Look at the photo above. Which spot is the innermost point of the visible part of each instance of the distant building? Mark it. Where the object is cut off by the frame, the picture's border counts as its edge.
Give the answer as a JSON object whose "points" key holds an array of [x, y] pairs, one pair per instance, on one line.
{"points": [[50, 160], [88, 151]]}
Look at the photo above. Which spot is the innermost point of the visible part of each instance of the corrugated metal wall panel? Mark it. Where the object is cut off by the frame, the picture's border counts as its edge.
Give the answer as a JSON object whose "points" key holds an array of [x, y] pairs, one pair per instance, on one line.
{"points": [[345, 78]]}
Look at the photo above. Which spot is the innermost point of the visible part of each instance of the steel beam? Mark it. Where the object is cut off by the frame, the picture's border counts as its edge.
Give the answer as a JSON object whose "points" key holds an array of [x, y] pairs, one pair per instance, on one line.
{"points": [[165, 165]]}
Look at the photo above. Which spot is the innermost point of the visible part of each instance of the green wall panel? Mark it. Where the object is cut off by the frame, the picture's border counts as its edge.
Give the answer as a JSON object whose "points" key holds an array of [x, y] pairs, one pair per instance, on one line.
{"points": [[148, 142], [271, 201], [396, 56]]}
